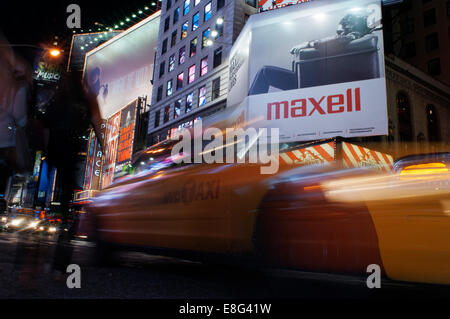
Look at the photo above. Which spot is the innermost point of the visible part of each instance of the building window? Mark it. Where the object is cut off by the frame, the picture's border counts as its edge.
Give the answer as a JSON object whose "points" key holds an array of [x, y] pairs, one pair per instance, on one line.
{"points": [[404, 118], [180, 79], [186, 7], [220, 4], [169, 4], [166, 24], [177, 109], [195, 21], [202, 96], [191, 74], [164, 46], [409, 50], [204, 66], [189, 102], [173, 40], [176, 15], [215, 92], [208, 12], [184, 30], [171, 62], [205, 37], [167, 113], [182, 55], [432, 41], [433, 124], [219, 29], [429, 17], [251, 3], [196, 2], [159, 94], [434, 67], [217, 57], [193, 47], [157, 116], [162, 67], [169, 88], [448, 9]]}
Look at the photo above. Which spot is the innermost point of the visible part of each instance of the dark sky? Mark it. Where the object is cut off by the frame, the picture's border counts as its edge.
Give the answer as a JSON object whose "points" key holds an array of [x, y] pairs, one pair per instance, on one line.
{"points": [[35, 22]]}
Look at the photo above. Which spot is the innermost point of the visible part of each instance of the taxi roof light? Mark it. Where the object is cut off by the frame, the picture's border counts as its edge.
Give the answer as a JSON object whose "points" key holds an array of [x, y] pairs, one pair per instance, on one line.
{"points": [[424, 169]]}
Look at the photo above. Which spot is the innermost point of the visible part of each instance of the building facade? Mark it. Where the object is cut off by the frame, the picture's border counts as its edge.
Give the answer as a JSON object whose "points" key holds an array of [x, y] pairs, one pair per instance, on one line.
{"points": [[418, 31], [190, 80]]}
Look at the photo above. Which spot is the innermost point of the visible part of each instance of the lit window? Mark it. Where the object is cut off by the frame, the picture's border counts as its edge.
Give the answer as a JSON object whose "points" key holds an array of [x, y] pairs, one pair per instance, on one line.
{"points": [[197, 2], [186, 7], [189, 102], [191, 74], [180, 79], [208, 12], [177, 109], [169, 88], [193, 47], [195, 21], [184, 30], [202, 96], [205, 37], [204, 66], [171, 62], [182, 55]]}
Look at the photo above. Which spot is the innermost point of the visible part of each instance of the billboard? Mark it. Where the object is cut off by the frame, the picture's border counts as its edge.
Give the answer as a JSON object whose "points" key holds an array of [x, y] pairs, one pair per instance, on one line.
{"points": [[314, 82], [277, 4], [126, 134], [111, 142], [94, 163], [120, 70], [83, 43]]}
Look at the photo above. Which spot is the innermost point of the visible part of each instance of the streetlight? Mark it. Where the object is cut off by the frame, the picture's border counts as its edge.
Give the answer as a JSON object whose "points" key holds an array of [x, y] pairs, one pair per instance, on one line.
{"points": [[55, 52]]}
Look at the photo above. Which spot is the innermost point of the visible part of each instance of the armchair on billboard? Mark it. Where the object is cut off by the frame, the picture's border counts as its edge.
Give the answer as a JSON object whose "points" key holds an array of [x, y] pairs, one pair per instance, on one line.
{"points": [[314, 71]]}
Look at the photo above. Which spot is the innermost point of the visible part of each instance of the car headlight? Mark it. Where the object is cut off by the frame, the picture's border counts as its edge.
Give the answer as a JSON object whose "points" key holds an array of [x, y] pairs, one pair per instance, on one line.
{"points": [[52, 229], [33, 224], [17, 222], [4, 219]]}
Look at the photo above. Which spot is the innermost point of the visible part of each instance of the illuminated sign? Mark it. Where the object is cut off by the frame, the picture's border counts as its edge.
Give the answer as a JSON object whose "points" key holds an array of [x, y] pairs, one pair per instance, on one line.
{"points": [[312, 83], [111, 143], [126, 135]]}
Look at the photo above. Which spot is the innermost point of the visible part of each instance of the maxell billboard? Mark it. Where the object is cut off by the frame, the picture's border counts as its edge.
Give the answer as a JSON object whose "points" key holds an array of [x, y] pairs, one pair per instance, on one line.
{"points": [[120, 70], [314, 70]]}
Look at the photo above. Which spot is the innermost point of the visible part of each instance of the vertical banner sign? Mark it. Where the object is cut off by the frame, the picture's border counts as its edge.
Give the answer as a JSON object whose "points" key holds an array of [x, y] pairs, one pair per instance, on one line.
{"points": [[315, 82], [94, 163], [126, 135], [111, 142]]}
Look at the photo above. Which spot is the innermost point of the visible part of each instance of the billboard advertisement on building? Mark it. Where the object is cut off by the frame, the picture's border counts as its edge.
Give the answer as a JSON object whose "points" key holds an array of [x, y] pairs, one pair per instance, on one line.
{"points": [[120, 70], [126, 134], [93, 172], [83, 43], [314, 82], [277, 4], [111, 142]]}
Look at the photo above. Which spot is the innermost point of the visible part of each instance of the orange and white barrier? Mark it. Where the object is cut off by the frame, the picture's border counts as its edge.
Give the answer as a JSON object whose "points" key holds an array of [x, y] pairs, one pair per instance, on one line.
{"points": [[358, 156], [319, 154]]}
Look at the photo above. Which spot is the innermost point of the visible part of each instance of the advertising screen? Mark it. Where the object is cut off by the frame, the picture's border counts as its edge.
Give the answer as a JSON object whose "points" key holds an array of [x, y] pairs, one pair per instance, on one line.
{"points": [[313, 71], [111, 142], [277, 4], [120, 70], [126, 134]]}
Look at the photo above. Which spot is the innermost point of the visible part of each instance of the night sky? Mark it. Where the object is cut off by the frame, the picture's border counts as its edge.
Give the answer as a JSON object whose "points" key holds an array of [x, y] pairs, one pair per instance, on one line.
{"points": [[38, 22]]}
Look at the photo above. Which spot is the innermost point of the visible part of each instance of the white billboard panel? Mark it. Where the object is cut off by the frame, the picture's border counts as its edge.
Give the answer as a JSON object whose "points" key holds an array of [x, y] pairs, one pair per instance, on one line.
{"points": [[314, 70], [120, 70]]}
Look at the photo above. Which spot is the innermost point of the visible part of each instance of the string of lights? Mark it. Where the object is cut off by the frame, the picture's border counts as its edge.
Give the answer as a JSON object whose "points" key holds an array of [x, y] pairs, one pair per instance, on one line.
{"points": [[126, 22]]}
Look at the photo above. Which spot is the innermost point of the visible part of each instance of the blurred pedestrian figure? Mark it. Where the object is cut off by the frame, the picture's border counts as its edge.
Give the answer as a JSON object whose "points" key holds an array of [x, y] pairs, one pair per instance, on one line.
{"points": [[15, 84], [67, 120]]}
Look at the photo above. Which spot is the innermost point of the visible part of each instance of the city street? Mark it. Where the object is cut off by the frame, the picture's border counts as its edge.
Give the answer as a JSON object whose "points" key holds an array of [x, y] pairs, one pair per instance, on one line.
{"points": [[146, 277]]}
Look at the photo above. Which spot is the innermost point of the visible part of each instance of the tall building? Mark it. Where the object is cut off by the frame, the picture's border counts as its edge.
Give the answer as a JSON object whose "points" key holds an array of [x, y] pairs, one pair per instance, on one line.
{"points": [[418, 31], [190, 79]]}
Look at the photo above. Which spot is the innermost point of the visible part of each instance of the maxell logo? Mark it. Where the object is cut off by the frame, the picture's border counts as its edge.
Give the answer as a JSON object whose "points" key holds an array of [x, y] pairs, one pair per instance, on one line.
{"points": [[338, 103]]}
